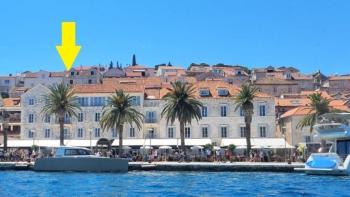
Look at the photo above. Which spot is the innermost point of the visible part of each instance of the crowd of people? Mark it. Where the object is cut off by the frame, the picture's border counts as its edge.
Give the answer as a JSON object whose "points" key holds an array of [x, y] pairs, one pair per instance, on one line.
{"points": [[202, 155], [18, 155]]}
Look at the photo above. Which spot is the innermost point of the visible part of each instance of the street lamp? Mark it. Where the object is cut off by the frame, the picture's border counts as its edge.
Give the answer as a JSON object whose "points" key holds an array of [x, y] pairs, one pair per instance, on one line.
{"points": [[90, 139]]}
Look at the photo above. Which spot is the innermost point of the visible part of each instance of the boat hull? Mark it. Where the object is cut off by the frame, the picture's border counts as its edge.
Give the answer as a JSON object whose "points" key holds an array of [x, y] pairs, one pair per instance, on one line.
{"points": [[330, 172], [87, 164]]}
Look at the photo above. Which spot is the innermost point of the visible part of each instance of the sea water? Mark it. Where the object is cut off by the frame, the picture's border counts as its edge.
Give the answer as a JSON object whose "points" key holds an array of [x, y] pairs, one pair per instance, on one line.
{"points": [[156, 183]]}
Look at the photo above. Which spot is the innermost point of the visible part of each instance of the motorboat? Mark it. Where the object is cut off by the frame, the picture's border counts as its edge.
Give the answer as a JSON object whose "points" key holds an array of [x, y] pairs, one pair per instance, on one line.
{"points": [[326, 164], [331, 163], [79, 159]]}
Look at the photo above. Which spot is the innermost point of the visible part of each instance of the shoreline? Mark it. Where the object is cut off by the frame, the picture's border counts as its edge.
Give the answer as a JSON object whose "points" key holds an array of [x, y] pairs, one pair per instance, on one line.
{"points": [[187, 166]]}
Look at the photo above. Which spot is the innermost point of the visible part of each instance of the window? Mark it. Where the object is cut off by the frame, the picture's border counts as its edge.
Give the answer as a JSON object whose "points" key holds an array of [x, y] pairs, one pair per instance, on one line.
{"points": [[80, 117], [135, 100], [289, 90], [222, 92], [72, 73], [47, 133], [97, 117], [7, 81], [150, 117], [83, 101], [66, 119], [114, 133], [47, 118], [71, 82], [204, 111], [204, 132], [171, 132], [274, 89], [262, 110], [204, 92], [77, 72], [243, 131], [31, 101], [31, 118], [187, 132], [307, 139], [90, 81], [132, 132], [92, 72], [80, 133], [224, 132], [30, 134], [66, 134], [241, 112], [262, 131], [97, 132], [223, 110], [97, 101]]}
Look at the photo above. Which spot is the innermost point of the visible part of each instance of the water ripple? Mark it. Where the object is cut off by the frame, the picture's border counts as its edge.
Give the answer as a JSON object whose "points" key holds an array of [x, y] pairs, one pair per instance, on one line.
{"points": [[152, 183]]}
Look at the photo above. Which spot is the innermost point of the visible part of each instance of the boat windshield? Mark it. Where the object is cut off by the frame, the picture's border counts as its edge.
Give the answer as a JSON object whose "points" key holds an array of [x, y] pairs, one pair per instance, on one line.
{"points": [[77, 152]]}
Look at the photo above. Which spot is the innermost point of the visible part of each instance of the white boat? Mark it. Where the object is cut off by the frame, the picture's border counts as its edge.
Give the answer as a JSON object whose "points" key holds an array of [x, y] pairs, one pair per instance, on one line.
{"points": [[80, 159], [331, 163]]}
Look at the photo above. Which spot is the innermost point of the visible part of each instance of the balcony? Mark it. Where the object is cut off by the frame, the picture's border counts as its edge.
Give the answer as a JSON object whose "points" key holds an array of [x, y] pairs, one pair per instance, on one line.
{"points": [[150, 120], [150, 103]]}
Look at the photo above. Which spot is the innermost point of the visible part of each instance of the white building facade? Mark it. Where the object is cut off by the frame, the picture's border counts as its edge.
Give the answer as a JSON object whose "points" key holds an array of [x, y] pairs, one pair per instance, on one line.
{"points": [[220, 120]]}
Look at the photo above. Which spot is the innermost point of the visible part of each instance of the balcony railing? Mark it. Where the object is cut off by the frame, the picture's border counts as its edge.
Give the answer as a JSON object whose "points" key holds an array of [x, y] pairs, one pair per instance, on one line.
{"points": [[150, 120], [150, 103]]}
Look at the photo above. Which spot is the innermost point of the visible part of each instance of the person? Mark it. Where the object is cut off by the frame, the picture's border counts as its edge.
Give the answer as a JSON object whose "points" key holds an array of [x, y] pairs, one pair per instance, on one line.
{"points": [[261, 156]]}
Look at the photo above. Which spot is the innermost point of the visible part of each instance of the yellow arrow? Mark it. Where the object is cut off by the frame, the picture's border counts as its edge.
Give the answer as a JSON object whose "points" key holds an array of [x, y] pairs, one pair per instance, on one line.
{"points": [[68, 50]]}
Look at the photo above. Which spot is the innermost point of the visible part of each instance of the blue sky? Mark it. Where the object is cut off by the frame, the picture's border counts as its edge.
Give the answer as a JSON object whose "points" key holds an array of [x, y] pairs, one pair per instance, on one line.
{"points": [[309, 35]]}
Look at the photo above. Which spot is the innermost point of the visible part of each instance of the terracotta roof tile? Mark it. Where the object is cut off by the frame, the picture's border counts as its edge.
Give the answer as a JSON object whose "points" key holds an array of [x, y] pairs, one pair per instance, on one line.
{"points": [[11, 102], [274, 81], [298, 111]]}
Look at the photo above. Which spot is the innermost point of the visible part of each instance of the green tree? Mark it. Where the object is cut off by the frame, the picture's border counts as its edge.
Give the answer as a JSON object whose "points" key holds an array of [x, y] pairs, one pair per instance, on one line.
{"points": [[181, 104], [244, 101], [4, 119], [117, 112], [60, 101], [110, 65], [318, 106], [134, 60]]}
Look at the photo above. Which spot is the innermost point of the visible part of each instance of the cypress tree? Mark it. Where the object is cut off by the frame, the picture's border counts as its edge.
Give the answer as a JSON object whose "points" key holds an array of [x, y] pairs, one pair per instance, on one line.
{"points": [[134, 60]]}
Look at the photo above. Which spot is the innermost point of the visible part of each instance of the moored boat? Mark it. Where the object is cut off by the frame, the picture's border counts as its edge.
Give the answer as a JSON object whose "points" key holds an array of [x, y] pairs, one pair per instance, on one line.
{"points": [[331, 163], [79, 159]]}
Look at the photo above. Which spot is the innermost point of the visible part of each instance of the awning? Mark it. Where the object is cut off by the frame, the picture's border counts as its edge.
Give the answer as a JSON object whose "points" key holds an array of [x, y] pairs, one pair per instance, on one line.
{"points": [[272, 143], [49, 143], [126, 142], [162, 142]]}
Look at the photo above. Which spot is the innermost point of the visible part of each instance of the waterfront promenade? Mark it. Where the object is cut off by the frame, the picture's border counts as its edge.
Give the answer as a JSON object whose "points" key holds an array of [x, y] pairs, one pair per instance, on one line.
{"points": [[187, 166]]}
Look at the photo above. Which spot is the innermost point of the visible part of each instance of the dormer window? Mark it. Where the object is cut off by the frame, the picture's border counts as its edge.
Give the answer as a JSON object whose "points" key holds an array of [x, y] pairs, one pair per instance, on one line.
{"points": [[72, 73], [222, 92], [288, 76], [204, 92]]}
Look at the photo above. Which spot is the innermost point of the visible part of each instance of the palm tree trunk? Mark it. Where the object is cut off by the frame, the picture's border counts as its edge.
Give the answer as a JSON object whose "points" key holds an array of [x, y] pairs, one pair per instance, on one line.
{"points": [[248, 120], [61, 122], [120, 148], [5, 137], [182, 136]]}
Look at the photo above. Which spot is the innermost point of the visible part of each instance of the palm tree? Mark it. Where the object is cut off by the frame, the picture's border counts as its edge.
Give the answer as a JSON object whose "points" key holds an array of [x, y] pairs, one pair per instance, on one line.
{"points": [[119, 111], [60, 101], [319, 106], [181, 104], [244, 101], [4, 116]]}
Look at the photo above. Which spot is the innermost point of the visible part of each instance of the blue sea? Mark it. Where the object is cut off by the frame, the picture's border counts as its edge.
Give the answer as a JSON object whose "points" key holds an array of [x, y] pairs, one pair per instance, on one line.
{"points": [[155, 183]]}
